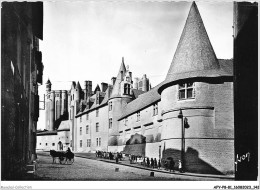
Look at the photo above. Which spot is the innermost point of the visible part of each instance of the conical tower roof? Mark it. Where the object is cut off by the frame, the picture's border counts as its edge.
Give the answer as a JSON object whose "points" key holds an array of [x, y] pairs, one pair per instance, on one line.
{"points": [[116, 88], [194, 56], [48, 81]]}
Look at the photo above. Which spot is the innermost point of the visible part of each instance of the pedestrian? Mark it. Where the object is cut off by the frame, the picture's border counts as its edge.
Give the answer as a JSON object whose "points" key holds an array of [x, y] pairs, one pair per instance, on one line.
{"points": [[159, 164], [166, 165], [117, 159], [152, 163], [155, 163], [148, 162], [180, 166], [144, 161], [171, 165]]}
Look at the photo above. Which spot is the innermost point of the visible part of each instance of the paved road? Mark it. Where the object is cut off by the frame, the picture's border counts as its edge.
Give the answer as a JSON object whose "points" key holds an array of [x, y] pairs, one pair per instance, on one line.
{"points": [[87, 169]]}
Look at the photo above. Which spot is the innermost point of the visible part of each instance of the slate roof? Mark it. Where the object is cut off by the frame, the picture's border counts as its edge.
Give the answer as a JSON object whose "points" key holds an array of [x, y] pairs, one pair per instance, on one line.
{"points": [[194, 56], [226, 65], [46, 133], [136, 93], [104, 96], [64, 126], [142, 102]]}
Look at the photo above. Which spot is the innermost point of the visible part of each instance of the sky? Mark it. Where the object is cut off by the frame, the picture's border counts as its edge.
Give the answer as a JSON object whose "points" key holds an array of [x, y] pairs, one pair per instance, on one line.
{"points": [[87, 40]]}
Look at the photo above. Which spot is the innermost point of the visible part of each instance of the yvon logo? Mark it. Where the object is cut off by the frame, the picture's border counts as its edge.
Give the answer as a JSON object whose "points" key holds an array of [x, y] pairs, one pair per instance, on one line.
{"points": [[241, 158]]}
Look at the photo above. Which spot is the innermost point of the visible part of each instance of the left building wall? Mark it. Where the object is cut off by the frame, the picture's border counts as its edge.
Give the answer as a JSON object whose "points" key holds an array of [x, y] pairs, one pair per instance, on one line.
{"points": [[21, 73]]}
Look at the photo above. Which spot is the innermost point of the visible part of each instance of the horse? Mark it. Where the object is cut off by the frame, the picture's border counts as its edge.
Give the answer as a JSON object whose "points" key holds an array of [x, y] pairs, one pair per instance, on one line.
{"points": [[54, 154], [69, 156]]}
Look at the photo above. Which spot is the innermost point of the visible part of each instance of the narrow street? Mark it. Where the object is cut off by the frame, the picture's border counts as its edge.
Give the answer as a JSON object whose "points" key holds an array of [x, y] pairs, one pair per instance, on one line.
{"points": [[90, 170]]}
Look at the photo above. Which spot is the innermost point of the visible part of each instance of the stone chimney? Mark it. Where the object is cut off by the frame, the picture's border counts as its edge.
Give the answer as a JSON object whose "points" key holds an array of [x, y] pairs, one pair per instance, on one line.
{"points": [[113, 80], [104, 87]]}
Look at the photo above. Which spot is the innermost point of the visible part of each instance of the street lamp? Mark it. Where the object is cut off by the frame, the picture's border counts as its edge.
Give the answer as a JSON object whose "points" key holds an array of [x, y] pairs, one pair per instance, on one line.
{"points": [[160, 152], [182, 137]]}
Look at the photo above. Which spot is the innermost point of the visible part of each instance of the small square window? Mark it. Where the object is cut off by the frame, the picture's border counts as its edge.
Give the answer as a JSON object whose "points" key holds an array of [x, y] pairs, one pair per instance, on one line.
{"points": [[186, 91]]}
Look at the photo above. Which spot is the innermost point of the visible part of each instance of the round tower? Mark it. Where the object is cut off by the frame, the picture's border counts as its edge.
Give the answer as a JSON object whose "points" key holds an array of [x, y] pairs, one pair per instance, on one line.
{"points": [[192, 107], [52, 110], [120, 96], [64, 103]]}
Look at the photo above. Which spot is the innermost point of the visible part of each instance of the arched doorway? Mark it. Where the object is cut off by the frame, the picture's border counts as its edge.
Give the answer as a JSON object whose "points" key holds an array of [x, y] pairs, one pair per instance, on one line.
{"points": [[60, 145]]}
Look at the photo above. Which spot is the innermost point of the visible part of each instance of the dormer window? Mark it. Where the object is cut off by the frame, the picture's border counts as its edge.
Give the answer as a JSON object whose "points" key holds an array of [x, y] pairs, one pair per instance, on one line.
{"points": [[126, 120], [110, 106], [155, 109], [186, 91], [138, 116], [127, 89]]}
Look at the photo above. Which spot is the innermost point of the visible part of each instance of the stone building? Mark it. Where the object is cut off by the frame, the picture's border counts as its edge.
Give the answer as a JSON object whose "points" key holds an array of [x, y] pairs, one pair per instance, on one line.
{"points": [[21, 73], [189, 116]]}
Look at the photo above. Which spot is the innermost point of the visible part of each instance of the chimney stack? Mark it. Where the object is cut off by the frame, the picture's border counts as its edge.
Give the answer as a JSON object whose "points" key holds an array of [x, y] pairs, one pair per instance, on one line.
{"points": [[113, 80], [104, 87]]}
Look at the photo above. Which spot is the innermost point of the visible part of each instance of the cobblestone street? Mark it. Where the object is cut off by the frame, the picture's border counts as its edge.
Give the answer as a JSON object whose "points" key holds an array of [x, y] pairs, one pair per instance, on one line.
{"points": [[87, 169]]}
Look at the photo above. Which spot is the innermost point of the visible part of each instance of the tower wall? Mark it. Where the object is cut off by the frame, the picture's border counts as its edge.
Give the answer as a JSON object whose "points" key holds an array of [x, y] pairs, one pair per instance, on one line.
{"points": [[211, 126], [64, 103]]}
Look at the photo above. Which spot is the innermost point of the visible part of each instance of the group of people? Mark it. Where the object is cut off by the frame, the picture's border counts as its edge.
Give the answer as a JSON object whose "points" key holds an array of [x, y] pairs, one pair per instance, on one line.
{"points": [[109, 155], [153, 163]]}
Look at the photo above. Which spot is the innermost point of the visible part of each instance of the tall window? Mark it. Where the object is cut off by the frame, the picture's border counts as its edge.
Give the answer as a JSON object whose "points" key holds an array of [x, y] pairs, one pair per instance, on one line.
{"points": [[126, 120], [88, 142], [138, 116], [97, 127], [110, 123], [97, 113], [99, 141], [126, 88], [110, 106], [80, 143], [80, 119], [87, 116], [87, 128], [186, 91], [155, 109], [80, 131]]}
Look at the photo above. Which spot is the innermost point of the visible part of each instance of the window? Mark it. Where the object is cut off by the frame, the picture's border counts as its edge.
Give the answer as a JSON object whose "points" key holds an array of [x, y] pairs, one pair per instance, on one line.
{"points": [[80, 131], [186, 91], [138, 116], [110, 123], [126, 88], [97, 113], [97, 127], [87, 128], [88, 142], [40, 143], [80, 143], [126, 120], [155, 109], [87, 116], [110, 106], [46, 144], [97, 141], [80, 119], [53, 144]]}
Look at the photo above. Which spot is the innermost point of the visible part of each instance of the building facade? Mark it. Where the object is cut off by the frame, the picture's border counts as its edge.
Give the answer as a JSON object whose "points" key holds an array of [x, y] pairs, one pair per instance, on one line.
{"points": [[189, 116], [21, 73]]}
